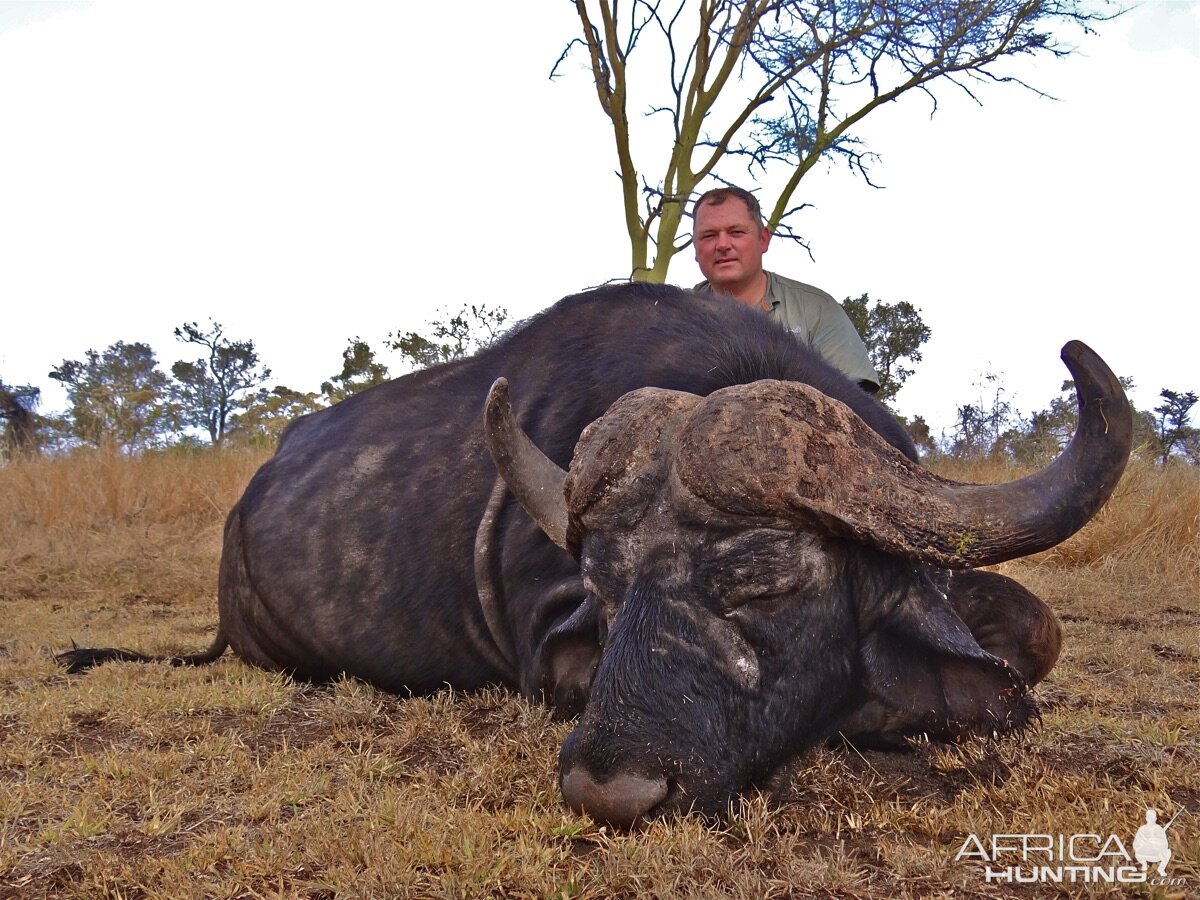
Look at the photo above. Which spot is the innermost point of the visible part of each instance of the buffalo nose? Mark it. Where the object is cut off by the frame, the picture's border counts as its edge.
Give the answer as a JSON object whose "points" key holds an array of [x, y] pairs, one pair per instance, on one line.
{"points": [[620, 801]]}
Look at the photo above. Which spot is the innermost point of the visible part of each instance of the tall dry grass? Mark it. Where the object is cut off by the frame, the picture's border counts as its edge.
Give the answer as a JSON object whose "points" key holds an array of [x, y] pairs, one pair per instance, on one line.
{"points": [[96, 490], [1152, 522], [135, 530], [1153, 516]]}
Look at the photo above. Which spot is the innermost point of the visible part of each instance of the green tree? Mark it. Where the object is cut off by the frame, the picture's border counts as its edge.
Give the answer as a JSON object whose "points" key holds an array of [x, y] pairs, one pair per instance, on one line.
{"points": [[267, 412], [360, 370], [18, 405], [1173, 415], [1033, 442], [918, 430], [117, 398], [207, 390], [779, 85], [468, 331], [419, 351], [893, 333]]}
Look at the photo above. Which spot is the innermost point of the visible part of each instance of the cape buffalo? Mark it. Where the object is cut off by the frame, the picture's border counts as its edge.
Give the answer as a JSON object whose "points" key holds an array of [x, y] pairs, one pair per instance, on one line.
{"points": [[721, 551]]}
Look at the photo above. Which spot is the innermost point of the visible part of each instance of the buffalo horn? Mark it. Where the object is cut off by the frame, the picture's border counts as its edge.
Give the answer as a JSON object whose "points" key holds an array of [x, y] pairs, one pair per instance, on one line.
{"points": [[1037, 512], [780, 449], [533, 478]]}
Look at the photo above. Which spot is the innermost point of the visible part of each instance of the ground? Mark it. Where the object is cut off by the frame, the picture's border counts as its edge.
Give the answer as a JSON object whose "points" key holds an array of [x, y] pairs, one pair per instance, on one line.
{"points": [[227, 781]]}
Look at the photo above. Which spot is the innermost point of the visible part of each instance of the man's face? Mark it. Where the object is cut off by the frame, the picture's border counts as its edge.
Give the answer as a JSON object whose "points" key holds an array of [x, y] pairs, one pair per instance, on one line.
{"points": [[729, 245]]}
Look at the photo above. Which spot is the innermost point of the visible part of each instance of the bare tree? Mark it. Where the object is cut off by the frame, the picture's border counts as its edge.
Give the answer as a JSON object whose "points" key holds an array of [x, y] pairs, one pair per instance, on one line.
{"points": [[471, 329], [979, 426], [822, 66]]}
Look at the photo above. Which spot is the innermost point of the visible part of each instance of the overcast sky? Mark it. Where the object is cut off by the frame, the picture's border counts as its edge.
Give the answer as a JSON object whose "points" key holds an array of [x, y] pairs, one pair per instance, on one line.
{"points": [[309, 172]]}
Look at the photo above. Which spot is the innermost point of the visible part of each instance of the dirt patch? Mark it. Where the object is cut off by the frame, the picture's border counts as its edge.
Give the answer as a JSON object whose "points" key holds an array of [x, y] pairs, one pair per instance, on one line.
{"points": [[89, 732], [1174, 654], [292, 727]]}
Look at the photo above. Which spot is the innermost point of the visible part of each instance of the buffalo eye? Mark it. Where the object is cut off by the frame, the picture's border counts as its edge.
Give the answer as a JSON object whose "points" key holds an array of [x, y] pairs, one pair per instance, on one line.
{"points": [[766, 603]]}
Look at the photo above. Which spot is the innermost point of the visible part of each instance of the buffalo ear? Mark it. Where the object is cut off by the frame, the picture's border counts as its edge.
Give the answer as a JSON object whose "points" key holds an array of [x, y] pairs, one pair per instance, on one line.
{"points": [[567, 659], [925, 669], [1008, 621]]}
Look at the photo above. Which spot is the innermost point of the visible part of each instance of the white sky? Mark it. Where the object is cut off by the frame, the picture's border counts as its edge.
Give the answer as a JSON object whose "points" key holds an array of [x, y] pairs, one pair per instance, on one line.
{"points": [[307, 172]]}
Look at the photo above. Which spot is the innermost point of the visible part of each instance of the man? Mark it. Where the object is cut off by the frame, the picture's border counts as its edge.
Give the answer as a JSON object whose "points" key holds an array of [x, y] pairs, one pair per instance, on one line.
{"points": [[1150, 843], [730, 240]]}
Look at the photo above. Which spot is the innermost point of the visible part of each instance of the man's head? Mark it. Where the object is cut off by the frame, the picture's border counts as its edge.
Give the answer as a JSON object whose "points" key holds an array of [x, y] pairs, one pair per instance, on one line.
{"points": [[730, 240]]}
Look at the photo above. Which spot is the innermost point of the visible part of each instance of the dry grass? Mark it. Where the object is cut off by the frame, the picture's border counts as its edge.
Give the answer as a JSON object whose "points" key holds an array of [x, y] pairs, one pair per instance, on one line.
{"points": [[1152, 519], [147, 781]]}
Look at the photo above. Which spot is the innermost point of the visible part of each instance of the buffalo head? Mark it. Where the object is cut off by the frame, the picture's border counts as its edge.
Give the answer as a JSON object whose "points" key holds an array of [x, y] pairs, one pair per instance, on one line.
{"points": [[767, 570]]}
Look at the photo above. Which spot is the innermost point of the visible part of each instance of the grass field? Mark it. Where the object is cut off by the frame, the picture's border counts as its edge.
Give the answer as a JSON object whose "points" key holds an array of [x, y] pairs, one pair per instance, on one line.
{"points": [[226, 781]]}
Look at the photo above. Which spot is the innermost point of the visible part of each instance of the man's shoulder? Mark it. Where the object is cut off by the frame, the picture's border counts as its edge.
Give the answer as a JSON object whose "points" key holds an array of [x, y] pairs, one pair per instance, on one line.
{"points": [[790, 287]]}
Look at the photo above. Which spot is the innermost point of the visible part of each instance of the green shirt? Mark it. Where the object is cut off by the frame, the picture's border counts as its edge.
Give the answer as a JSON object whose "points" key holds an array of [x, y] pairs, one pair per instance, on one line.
{"points": [[818, 320]]}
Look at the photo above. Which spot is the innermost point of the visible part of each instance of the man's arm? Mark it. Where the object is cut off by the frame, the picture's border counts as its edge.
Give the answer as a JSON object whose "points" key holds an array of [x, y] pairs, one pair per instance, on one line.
{"points": [[836, 339]]}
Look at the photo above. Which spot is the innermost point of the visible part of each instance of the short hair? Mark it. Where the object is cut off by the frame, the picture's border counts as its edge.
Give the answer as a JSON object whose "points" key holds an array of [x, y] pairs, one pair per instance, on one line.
{"points": [[717, 196]]}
